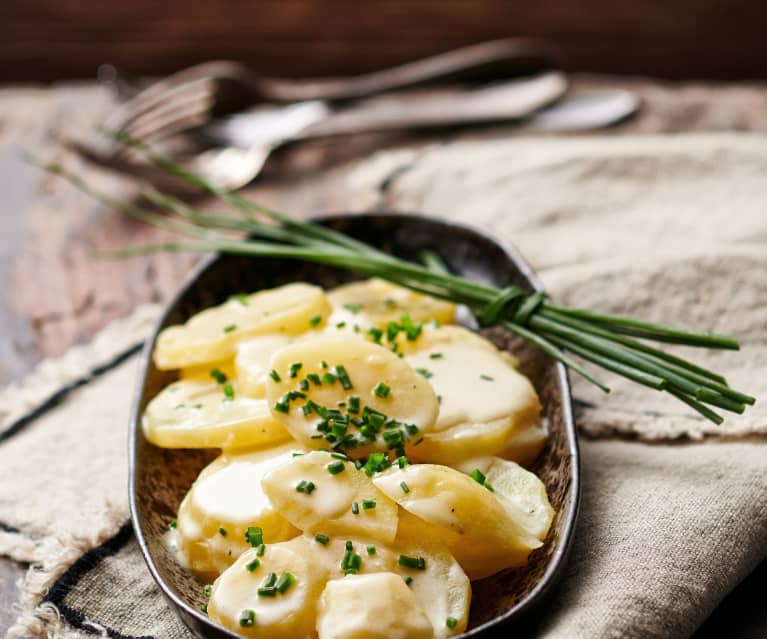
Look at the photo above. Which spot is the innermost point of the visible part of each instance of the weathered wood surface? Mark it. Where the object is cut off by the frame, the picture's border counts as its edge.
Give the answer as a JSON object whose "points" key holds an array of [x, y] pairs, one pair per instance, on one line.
{"points": [[54, 294], [50, 39]]}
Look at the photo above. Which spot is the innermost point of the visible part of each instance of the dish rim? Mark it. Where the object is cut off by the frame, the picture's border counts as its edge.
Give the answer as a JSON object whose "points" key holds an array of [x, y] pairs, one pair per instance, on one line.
{"points": [[555, 566]]}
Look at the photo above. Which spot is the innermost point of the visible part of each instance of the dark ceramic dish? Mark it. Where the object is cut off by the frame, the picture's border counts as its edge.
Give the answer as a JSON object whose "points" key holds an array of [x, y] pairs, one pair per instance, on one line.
{"points": [[159, 478]]}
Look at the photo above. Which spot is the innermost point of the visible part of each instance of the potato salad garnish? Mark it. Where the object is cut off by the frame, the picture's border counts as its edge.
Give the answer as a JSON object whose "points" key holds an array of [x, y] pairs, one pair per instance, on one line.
{"points": [[371, 463]]}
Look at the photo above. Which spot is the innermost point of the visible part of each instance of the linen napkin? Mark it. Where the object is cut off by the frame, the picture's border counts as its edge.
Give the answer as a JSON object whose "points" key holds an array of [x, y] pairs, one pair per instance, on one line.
{"points": [[674, 510]]}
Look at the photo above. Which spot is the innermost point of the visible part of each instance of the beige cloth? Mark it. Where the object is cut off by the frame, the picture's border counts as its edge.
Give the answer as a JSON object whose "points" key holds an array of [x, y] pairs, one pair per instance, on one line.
{"points": [[672, 229]]}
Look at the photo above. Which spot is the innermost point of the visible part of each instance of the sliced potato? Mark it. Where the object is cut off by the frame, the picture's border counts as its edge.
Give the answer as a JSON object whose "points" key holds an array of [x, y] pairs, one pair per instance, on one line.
{"points": [[440, 586], [477, 529], [198, 414], [252, 362], [520, 492], [236, 604], [342, 502], [374, 606], [227, 497], [212, 334], [376, 302], [379, 380]]}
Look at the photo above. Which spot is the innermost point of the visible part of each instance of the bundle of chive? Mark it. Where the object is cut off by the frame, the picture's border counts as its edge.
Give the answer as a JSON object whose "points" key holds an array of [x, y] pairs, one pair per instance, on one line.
{"points": [[609, 341]]}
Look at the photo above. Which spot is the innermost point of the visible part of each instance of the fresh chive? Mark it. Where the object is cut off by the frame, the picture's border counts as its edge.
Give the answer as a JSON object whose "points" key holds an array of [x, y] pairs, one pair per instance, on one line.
{"points": [[254, 535], [285, 581], [371, 549], [355, 508], [329, 378], [282, 406], [343, 377], [304, 384], [267, 591], [323, 364], [375, 334], [270, 580], [354, 405], [451, 622], [405, 488], [424, 372], [477, 476], [207, 591], [229, 391], [382, 390], [340, 325], [336, 467], [294, 368], [417, 563], [230, 328], [173, 523], [368, 504], [250, 567], [349, 545], [314, 321], [204, 608], [305, 487], [340, 456], [260, 550], [321, 539], [275, 376], [353, 308], [222, 532], [218, 375], [408, 580], [240, 298], [487, 378], [402, 461], [435, 356], [314, 379]]}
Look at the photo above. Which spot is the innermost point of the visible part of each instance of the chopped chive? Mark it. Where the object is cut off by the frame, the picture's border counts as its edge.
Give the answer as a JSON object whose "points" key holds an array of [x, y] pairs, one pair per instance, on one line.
{"points": [[297, 454], [314, 321], [340, 456], [216, 374], [477, 476], [340, 325], [489, 486], [222, 532], [230, 328], [254, 535], [371, 549], [439, 399], [294, 368], [239, 297], [418, 563], [336, 467], [402, 461], [382, 390], [307, 409], [405, 488], [353, 308], [435, 356], [253, 565], [270, 580], [305, 487], [349, 545], [451, 622], [424, 372], [180, 406], [390, 302], [247, 618], [173, 523], [204, 608], [355, 508], [354, 404], [375, 334], [275, 376], [267, 591], [408, 580], [314, 379], [229, 391], [260, 550], [368, 504], [282, 406], [487, 378], [323, 363], [329, 378], [285, 581], [207, 590], [343, 376], [321, 539], [304, 384]]}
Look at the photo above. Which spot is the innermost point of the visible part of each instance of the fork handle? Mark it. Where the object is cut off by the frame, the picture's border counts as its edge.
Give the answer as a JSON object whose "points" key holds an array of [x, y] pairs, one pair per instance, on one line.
{"points": [[438, 108]]}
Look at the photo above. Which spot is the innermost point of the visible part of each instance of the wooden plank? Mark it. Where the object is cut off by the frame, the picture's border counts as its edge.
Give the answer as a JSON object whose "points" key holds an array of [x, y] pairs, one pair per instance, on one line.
{"points": [[47, 39]]}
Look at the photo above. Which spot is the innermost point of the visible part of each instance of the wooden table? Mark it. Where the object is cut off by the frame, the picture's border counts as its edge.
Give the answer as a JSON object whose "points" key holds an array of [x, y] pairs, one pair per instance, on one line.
{"points": [[55, 295]]}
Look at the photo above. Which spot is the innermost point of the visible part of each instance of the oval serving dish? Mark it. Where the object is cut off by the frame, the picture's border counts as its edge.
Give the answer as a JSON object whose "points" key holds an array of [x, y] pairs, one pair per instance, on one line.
{"points": [[159, 478]]}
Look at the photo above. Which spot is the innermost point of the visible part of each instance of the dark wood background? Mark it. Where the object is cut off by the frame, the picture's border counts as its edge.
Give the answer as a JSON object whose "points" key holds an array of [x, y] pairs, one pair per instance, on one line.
{"points": [[675, 39]]}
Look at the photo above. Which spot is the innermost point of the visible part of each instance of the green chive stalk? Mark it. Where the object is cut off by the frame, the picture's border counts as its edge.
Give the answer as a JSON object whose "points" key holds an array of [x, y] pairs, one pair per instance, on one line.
{"points": [[611, 342]]}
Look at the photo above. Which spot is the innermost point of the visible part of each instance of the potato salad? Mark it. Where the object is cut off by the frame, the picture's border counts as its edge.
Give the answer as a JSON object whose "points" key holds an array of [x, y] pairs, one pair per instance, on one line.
{"points": [[372, 461]]}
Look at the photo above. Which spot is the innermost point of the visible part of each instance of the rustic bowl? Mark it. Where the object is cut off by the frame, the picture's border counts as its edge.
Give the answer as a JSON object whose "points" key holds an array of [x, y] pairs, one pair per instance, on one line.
{"points": [[159, 478]]}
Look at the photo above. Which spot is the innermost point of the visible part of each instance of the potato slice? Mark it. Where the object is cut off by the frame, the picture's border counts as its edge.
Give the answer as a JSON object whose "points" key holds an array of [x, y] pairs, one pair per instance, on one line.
{"points": [[212, 334], [236, 604], [223, 502], [376, 302], [198, 414], [520, 492], [476, 527], [327, 373], [440, 586], [252, 362], [375, 606], [342, 500]]}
